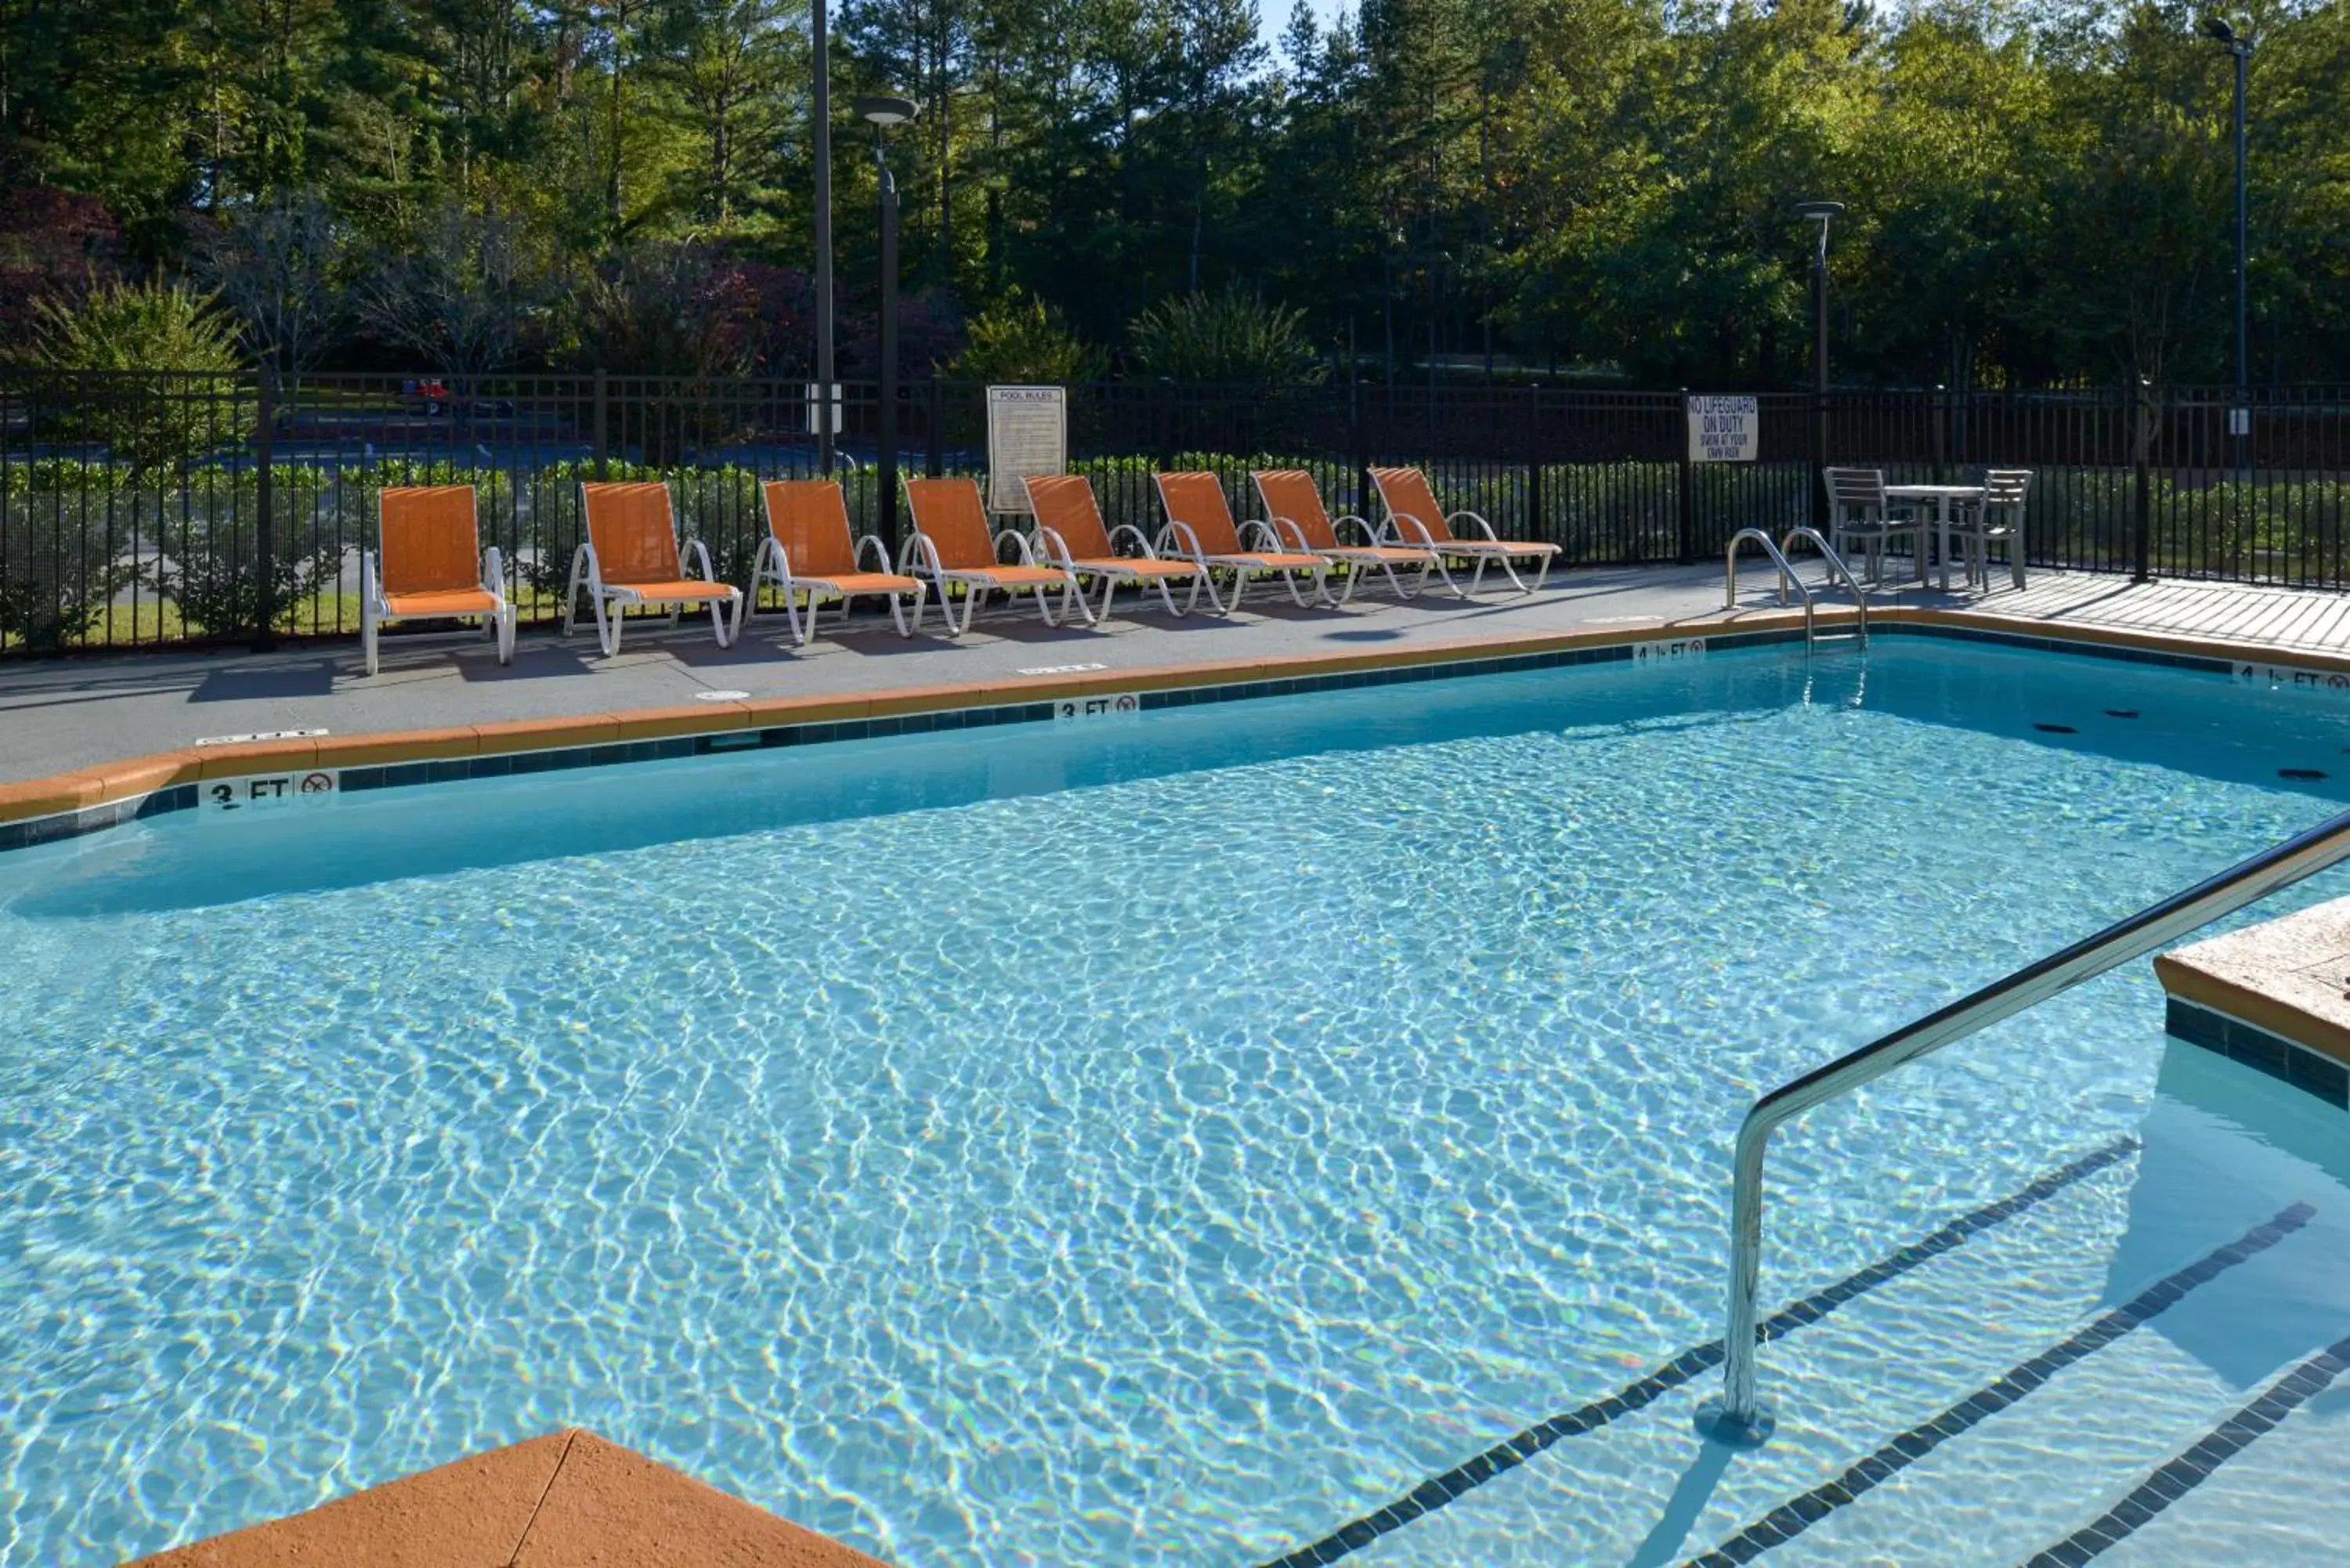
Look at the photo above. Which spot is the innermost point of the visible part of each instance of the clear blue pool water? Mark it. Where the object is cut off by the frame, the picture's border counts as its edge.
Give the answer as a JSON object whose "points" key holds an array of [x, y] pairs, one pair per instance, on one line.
{"points": [[1154, 1142]]}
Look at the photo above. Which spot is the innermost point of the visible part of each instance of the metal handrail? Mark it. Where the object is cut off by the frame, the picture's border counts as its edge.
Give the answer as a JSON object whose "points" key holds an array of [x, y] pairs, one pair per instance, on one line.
{"points": [[1836, 565], [1787, 577], [1738, 1416]]}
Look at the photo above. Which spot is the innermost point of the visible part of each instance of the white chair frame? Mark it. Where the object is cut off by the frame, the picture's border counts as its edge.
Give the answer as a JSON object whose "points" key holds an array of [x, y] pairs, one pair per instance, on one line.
{"points": [[772, 564], [1486, 551], [1359, 559], [919, 559], [375, 608], [1186, 544], [610, 601], [1057, 554]]}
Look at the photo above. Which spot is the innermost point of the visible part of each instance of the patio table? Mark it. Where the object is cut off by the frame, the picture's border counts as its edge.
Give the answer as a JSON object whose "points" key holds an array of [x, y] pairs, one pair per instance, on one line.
{"points": [[1941, 495]]}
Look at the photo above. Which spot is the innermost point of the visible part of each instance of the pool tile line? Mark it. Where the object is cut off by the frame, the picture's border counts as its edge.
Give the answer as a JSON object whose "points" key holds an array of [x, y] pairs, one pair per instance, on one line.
{"points": [[1791, 1518], [1507, 1455], [1183, 688], [2192, 1467], [2259, 1049]]}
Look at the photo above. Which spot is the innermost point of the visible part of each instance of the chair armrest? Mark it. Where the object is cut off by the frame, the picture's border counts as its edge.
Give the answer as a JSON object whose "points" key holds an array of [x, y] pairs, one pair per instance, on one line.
{"points": [[1263, 531], [1187, 543], [1338, 528], [918, 544], [1420, 533], [1027, 552], [1487, 528], [1289, 534], [880, 552], [493, 572], [1141, 545], [691, 550], [1056, 549], [370, 591]]}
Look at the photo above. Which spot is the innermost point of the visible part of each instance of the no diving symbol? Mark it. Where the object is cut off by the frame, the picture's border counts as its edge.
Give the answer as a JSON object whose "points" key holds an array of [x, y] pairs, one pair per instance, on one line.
{"points": [[318, 783]]}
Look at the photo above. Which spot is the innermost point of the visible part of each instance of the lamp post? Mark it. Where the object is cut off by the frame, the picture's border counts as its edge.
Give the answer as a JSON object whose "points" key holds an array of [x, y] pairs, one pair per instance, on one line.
{"points": [[825, 398], [1822, 213], [2239, 418], [883, 113]]}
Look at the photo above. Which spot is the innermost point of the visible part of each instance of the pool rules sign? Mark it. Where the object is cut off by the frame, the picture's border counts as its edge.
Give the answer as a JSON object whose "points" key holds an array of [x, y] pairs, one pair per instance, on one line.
{"points": [[1723, 430], [1027, 433]]}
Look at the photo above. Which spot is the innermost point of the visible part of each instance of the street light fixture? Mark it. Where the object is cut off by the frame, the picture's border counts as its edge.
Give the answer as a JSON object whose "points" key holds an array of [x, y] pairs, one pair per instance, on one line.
{"points": [[2239, 418], [884, 112], [1823, 213]]}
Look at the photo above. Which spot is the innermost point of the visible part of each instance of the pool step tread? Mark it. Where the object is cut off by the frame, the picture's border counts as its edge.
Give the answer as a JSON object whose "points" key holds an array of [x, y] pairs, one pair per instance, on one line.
{"points": [[2192, 1466], [1791, 1518], [1505, 1456]]}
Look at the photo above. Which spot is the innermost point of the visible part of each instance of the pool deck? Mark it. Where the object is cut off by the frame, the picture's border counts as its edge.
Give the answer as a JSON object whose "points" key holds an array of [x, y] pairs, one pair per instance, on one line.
{"points": [[79, 715]]}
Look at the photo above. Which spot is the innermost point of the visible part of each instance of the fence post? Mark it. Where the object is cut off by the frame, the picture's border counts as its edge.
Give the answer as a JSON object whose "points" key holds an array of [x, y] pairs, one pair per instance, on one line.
{"points": [[2141, 443], [1941, 433], [1685, 513], [599, 422], [265, 498], [1534, 529], [1362, 458], [931, 456]]}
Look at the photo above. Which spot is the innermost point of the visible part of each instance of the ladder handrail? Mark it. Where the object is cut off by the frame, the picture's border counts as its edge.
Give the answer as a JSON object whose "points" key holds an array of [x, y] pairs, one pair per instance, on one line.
{"points": [[1738, 1417], [1787, 577], [1837, 567]]}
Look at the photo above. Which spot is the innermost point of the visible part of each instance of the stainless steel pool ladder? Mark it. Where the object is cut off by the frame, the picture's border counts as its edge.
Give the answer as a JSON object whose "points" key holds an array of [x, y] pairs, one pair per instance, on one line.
{"points": [[1738, 1416], [1787, 578]]}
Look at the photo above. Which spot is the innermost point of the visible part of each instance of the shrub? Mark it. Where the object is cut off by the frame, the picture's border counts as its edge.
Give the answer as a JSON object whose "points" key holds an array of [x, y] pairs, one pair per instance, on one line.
{"points": [[1021, 341], [107, 389], [1234, 337], [55, 579], [210, 542]]}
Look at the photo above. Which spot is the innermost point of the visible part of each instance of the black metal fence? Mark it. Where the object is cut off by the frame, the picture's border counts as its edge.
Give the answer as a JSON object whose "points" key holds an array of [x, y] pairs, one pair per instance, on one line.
{"points": [[132, 507]]}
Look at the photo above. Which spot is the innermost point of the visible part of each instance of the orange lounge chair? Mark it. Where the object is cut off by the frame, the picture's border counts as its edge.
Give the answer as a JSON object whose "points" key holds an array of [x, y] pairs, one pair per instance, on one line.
{"points": [[632, 557], [807, 550], [1069, 522], [431, 566], [952, 542], [1201, 529], [1293, 501], [1415, 518]]}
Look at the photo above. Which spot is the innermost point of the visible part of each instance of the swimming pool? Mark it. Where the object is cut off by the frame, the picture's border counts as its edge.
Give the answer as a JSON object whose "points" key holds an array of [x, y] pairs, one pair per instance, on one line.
{"points": [[1165, 1141]]}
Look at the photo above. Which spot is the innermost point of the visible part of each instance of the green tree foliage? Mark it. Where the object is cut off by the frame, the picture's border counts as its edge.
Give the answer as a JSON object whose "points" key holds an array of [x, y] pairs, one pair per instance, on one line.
{"points": [[2038, 189], [136, 327]]}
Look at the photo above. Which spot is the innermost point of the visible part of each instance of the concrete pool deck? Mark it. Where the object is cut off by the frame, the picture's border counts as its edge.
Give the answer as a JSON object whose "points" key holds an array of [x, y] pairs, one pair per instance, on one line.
{"points": [[569, 1499], [68, 726]]}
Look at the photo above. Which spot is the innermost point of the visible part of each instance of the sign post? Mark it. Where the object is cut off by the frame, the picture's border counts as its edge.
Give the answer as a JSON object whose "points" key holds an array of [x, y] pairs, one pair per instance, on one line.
{"points": [[1723, 430], [1027, 433]]}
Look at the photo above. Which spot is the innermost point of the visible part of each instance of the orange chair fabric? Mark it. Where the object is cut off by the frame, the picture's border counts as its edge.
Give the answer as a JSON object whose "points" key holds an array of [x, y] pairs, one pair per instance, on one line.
{"points": [[1291, 494], [430, 544], [1065, 504], [1406, 493], [635, 538], [1197, 500], [950, 513], [809, 519]]}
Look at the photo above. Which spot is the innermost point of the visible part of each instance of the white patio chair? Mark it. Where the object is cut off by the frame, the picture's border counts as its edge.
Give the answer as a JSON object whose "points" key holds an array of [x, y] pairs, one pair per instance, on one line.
{"points": [[1859, 515], [1998, 518]]}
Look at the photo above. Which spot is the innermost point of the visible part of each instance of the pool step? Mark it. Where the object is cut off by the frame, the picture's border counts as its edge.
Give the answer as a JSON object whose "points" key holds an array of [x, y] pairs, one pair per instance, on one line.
{"points": [[1683, 1369], [2172, 1480], [1793, 1517]]}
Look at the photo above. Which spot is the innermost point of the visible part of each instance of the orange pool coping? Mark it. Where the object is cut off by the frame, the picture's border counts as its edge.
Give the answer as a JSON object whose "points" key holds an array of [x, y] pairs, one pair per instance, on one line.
{"points": [[134, 777], [569, 1499]]}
